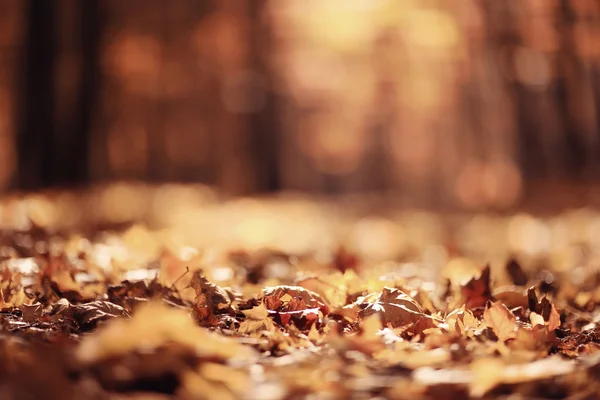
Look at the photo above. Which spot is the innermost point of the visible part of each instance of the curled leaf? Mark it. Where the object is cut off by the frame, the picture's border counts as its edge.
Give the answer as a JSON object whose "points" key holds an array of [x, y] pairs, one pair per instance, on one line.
{"points": [[292, 298], [395, 309]]}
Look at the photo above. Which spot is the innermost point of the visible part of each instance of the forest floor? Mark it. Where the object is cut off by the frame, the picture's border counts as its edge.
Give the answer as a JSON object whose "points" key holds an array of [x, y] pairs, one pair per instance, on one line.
{"points": [[285, 299]]}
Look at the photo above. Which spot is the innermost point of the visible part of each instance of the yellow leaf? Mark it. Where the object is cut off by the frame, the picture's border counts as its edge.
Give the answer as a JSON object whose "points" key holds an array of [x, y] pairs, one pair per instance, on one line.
{"points": [[254, 325], [258, 313], [286, 298]]}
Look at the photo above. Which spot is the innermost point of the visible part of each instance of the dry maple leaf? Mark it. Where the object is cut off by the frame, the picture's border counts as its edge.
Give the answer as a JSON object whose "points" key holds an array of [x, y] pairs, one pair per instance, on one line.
{"points": [[501, 320]]}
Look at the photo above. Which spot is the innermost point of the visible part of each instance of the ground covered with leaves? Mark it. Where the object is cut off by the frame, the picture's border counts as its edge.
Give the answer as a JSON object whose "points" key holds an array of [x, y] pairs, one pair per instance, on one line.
{"points": [[80, 319]]}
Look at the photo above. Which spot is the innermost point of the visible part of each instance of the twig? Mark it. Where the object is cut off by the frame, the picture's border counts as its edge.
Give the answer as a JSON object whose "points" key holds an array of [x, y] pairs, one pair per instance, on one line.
{"points": [[187, 270]]}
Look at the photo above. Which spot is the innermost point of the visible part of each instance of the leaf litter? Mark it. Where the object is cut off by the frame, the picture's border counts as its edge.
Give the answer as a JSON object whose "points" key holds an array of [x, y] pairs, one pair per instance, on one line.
{"points": [[262, 324]]}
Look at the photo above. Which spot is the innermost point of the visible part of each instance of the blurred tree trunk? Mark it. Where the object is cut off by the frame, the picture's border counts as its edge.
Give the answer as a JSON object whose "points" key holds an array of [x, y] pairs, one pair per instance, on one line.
{"points": [[80, 62], [11, 37], [35, 122], [263, 123], [59, 84], [245, 115]]}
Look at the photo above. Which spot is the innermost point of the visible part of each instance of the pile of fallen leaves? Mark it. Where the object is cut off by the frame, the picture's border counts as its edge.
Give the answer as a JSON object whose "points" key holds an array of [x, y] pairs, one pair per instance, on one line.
{"points": [[78, 321]]}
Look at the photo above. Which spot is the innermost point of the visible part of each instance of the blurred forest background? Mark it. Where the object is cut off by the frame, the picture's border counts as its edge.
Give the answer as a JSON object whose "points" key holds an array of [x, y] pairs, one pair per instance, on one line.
{"points": [[437, 103]]}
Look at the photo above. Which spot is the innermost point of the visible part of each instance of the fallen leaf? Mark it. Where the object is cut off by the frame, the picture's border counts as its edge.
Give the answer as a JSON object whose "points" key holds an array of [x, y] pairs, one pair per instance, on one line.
{"points": [[501, 320], [212, 296], [31, 312], [92, 312], [274, 298], [395, 308], [257, 320], [476, 292], [553, 319], [154, 325]]}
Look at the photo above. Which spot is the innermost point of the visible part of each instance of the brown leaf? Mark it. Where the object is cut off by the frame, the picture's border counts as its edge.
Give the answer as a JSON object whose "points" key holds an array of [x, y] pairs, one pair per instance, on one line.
{"points": [[397, 296], [553, 320], [501, 320], [545, 308], [279, 298], [511, 296], [395, 309], [477, 291], [31, 313], [208, 293], [91, 313], [87, 315]]}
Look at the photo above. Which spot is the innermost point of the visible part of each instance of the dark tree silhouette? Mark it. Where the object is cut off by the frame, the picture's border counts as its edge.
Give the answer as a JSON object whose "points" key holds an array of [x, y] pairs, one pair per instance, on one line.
{"points": [[53, 152]]}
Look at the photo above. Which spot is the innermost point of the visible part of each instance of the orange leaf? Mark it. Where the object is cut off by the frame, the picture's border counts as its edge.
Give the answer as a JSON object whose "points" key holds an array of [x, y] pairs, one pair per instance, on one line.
{"points": [[501, 320], [554, 319]]}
